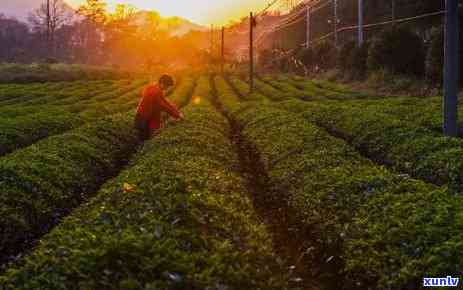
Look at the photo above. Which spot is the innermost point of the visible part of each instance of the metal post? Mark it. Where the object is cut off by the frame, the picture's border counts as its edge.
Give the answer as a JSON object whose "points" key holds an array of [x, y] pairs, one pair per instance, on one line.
{"points": [[360, 24], [211, 44], [393, 10], [451, 69], [251, 53], [307, 36], [222, 61], [335, 23], [219, 43]]}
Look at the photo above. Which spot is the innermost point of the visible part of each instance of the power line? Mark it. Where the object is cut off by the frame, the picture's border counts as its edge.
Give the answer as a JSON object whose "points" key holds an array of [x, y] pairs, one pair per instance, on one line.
{"points": [[393, 21], [270, 5], [294, 18], [298, 17], [380, 24]]}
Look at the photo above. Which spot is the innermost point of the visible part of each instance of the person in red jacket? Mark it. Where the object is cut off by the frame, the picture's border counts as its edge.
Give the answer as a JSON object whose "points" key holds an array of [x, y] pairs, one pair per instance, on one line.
{"points": [[153, 102]]}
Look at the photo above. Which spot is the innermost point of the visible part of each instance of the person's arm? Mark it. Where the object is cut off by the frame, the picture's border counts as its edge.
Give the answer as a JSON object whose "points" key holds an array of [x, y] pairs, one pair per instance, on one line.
{"points": [[169, 108]]}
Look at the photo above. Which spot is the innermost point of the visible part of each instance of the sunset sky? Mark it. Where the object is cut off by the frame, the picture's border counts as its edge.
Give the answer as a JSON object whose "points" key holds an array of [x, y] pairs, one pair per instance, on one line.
{"points": [[203, 12]]}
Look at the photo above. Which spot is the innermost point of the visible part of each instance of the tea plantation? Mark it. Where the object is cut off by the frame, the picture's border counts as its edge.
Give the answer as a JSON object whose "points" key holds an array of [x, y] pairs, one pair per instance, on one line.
{"points": [[301, 184]]}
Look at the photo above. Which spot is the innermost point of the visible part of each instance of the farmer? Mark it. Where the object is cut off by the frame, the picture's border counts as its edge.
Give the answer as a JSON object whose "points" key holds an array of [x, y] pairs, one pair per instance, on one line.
{"points": [[148, 119]]}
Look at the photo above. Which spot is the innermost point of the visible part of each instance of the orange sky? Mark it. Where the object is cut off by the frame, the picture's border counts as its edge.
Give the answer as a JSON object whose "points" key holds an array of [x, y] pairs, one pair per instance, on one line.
{"points": [[200, 11]]}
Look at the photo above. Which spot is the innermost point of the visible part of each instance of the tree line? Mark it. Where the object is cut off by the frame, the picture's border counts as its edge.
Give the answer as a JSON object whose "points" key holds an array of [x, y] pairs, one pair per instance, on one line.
{"points": [[91, 34]]}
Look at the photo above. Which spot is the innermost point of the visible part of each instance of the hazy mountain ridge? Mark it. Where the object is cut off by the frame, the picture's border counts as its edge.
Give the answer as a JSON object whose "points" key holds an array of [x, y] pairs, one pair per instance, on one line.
{"points": [[175, 25]]}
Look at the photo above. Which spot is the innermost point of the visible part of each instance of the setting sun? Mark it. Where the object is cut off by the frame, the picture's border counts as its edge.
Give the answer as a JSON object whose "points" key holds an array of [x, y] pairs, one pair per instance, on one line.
{"points": [[200, 11]]}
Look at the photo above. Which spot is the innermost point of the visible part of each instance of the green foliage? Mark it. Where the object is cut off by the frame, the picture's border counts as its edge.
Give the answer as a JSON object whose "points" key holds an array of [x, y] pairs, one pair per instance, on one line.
{"points": [[286, 90], [242, 88], [435, 57], [306, 56], [344, 55], [325, 54], [177, 218], [283, 87], [267, 90], [52, 71], [41, 183], [409, 146], [398, 50], [265, 57], [33, 115], [357, 61], [24, 131], [342, 199], [376, 228], [64, 170]]}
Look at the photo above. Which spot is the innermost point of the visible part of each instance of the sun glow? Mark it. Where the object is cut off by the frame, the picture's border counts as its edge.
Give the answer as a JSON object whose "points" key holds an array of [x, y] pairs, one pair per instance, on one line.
{"points": [[196, 100], [200, 11]]}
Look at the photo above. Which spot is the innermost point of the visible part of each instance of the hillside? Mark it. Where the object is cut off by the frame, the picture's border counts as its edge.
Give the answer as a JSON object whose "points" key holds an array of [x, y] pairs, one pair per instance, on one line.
{"points": [[176, 26]]}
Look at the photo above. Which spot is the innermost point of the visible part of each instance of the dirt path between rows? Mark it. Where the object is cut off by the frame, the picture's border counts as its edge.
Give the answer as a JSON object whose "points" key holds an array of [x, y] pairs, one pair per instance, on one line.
{"points": [[288, 238]]}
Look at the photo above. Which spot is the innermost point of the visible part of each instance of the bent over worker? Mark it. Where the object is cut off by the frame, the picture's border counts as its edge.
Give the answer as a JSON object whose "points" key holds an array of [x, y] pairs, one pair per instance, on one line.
{"points": [[153, 103]]}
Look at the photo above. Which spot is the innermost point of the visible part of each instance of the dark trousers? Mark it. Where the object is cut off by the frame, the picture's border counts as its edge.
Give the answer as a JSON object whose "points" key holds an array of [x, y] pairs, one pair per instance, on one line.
{"points": [[142, 126]]}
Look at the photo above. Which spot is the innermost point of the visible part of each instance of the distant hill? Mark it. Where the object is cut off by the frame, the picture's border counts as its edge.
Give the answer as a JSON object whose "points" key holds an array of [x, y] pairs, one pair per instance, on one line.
{"points": [[176, 26]]}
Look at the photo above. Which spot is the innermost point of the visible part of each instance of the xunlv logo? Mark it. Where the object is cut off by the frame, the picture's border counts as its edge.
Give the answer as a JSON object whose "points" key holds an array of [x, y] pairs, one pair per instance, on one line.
{"points": [[441, 282]]}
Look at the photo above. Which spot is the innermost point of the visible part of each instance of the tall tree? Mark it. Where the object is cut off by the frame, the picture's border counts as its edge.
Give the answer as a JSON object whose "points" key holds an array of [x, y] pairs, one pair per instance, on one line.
{"points": [[14, 39], [95, 16], [50, 16], [120, 34]]}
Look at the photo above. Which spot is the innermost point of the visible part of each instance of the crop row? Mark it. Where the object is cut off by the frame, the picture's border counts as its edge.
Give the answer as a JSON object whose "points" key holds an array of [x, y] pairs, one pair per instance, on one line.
{"points": [[81, 96], [42, 182], [415, 150], [304, 89], [420, 112], [177, 218], [34, 104], [325, 89], [26, 129], [29, 94], [378, 229], [288, 89], [267, 90], [12, 91], [241, 88]]}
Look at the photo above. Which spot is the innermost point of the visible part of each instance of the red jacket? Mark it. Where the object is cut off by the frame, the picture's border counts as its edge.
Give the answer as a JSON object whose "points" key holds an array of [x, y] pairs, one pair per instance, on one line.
{"points": [[152, 104]]}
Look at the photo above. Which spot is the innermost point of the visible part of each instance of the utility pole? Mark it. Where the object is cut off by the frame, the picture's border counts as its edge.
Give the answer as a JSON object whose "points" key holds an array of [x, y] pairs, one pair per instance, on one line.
{"points": [[451, 69], [222, 52], [393, 11], [211, 44], [336, 23], [251, 53], [307, 36], [360, 24], [219, 43]]}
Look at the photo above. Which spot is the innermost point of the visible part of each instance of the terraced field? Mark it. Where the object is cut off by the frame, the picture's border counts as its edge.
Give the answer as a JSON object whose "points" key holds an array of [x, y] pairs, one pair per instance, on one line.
{"points": [[299, 185]]}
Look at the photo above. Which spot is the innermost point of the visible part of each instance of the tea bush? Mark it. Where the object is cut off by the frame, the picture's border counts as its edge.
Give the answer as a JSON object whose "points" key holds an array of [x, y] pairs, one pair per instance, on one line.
{"points": [[376, 228], [177, 218], [397, 50]]}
